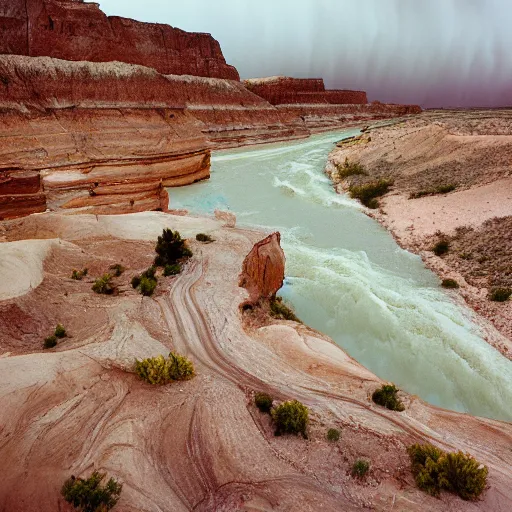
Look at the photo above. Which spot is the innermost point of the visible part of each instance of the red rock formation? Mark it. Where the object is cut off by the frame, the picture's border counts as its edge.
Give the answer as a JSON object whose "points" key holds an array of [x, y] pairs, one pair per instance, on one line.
{"points": [[73, 30], [263, 269], [289, 91]]}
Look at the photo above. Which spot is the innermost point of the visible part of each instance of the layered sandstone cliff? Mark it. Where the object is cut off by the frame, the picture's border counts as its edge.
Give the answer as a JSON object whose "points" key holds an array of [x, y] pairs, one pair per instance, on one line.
{"points": [[80, 31]]}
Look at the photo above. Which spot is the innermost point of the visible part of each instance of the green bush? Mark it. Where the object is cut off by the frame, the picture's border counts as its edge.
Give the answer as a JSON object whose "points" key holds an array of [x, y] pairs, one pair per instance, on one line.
{"points": [[368, 192], [172, 270], [103, 285], [441, 247], [435, 470], [201, 237], [159, 370], [449, 283], [263, 402], [500, 294], [50, 342], [117, 269], [149, 273], [180, 368], [333, 435], [281, 311], [350, 169], [291, 418], [170, 248], [88, 495], [360, 468], [147, 286], [60, 332], [78, 275], [387, 397]]}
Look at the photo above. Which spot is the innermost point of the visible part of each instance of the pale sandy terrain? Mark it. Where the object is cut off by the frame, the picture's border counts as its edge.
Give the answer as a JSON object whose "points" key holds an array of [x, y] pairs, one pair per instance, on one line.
{"points": [[471, 150], [197, 445]]}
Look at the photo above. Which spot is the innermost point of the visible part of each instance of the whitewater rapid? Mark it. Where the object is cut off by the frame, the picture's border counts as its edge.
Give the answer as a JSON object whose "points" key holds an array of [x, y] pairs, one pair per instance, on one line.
{"points": [[348, 278]]}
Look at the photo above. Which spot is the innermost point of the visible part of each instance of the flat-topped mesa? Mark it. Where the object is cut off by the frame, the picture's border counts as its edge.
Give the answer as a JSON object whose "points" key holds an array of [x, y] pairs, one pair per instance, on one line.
{"points": [[263, 269], [282, 90], [79, 31]]}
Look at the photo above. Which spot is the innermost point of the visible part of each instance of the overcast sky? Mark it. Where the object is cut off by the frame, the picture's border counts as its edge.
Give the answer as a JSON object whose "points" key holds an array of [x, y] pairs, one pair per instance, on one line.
{"points": [[431, 52]]}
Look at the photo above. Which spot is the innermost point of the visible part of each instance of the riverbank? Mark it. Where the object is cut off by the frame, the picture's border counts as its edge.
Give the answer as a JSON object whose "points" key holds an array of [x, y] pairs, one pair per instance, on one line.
{"points": [[84, 393], [452, 181]]}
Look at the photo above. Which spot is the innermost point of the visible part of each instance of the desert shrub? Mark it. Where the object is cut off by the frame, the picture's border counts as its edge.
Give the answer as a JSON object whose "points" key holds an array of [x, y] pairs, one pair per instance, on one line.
{"points": [[117, 269], [147, 286], [290, 418], [350, 169], [201, 237], [449, 283], [103, 285], [172, 270], [50, 342], [60, 332], [461, 474], [170, 248], [360, 468], [180, 368], [281, 311], [149, 273], [435, 470], [387, 397], [263, 402], [441, 189], [159, 370], [368, 192], [441, 247], [500, 294], [78, 275], [333, 435], [88, 495], [135, 281]]}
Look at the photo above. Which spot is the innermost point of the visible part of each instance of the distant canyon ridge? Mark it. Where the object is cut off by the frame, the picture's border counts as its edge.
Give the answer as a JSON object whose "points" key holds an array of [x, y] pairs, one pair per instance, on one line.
{"points": [[100, 114]]}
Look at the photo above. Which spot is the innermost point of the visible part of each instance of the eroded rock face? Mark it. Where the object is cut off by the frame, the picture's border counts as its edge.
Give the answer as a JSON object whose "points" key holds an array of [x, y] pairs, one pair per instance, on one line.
{"points": [[289, 91], [77, 31], [263, 268]]}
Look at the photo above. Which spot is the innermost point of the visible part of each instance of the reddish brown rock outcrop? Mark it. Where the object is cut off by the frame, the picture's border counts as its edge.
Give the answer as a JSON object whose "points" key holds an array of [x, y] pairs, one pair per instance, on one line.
{"points": [[78, 31], [263, 269], [281, 90]]}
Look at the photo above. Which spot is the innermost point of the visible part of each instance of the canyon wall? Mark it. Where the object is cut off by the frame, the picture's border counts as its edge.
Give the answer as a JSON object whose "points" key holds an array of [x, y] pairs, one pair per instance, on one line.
{"points": [[77, 31], [283, 90]]}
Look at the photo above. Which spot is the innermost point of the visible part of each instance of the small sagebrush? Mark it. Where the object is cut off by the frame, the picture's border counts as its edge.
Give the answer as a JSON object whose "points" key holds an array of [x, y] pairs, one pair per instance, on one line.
{"points": [[263, 402], [290, 418], [450, 283], [201, 237], [333, 435], [147, 286], [388, 398], [78, 275], [500, 294], [368, 192], [350, 169], [60, 332], [159, 370], [50, 342], [435, 470], [103, 285], [360, 468], [89, 495]]}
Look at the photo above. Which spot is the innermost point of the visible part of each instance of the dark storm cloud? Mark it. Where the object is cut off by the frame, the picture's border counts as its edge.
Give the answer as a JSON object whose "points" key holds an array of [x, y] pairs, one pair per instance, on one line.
{"points": [[432, 52]]}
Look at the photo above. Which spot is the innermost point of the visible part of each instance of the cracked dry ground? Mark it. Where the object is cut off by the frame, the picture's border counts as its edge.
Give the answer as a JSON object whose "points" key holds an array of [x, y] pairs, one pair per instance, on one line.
{"points": [[196, 445]]}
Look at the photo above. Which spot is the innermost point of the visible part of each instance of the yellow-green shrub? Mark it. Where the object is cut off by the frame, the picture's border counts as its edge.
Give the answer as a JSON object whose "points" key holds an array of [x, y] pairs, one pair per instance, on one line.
{"points": [[159, 370], [291, 418], [436, 470]]}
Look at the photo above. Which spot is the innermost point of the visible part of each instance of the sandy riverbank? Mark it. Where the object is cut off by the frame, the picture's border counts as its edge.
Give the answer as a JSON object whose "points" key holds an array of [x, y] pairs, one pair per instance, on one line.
{"points": [[471, 152]]}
